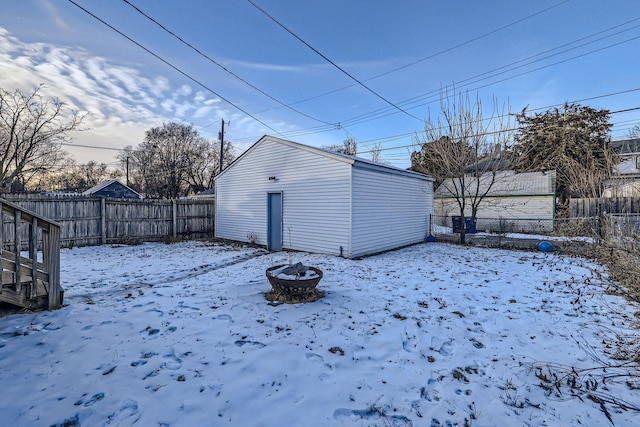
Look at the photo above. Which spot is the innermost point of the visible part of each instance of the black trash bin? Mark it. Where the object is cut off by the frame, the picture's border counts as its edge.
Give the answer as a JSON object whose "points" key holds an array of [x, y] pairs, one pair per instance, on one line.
{"points": [[457, 224]]}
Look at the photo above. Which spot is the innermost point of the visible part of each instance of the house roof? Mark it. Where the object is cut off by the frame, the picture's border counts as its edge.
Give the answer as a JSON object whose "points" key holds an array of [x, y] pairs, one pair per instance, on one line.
{"points": [[508, 183], [626, 146], [106, 184], [499, 163], [355, 161]]}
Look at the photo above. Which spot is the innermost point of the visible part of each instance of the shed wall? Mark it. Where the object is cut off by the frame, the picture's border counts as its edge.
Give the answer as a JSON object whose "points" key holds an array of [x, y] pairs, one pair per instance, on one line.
{"points": [[389, 210], [315, 197]]}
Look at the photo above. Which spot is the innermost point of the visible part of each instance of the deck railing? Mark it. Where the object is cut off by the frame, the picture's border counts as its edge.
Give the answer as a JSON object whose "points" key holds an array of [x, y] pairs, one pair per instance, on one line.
{"points": [[30, 278]]}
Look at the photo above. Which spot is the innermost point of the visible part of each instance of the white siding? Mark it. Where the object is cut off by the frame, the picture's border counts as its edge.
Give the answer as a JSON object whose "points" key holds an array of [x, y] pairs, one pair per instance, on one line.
{"points": [[315, 195], [516, 208], [389, 210]]}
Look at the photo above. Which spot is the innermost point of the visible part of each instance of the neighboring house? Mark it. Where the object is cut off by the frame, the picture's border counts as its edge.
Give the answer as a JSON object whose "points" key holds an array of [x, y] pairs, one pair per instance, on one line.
{"points": [[205, 194], [286, 195], [513, 201], [625, 181], [112, 189]]}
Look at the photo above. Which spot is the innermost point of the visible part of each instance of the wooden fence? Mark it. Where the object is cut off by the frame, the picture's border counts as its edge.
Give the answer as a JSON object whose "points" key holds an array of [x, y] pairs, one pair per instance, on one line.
{"points": [[88, 221], [592, 207]]}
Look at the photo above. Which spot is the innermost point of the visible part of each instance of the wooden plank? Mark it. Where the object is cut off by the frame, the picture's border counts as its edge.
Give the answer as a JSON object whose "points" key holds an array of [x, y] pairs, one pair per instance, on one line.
{"points": [[33, 255], [174, 218], [103, 220], [17, 216], [53, 264], [1, 226], [18, 298], [10, 208], [25, 270]]}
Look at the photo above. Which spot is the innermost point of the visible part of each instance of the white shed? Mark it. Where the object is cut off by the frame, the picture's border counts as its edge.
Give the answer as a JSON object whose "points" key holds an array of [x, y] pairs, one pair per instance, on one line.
{"points": [[286, 195]]}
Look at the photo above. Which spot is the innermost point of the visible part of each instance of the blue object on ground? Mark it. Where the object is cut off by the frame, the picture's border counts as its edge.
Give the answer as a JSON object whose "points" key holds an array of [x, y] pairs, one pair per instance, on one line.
{"points": [[545, 246], [431, 238]]}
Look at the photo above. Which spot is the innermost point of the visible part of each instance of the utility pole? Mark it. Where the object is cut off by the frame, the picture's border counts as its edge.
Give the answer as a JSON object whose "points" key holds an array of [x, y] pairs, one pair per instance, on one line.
{"points": [[127, 169], [221, 146]]}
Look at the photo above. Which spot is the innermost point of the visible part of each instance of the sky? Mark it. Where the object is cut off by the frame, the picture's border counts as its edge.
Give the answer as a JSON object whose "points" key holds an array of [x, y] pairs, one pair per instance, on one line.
{"points": [[432, 335], [316, 72]]}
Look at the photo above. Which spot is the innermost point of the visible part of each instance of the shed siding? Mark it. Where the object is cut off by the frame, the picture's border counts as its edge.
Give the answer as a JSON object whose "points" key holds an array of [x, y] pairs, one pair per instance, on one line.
{"points": [[389, 210], [315, 196]]}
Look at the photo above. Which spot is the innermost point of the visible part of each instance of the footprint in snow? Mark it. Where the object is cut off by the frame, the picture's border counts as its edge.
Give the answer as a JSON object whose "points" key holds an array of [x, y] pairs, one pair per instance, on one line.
{"points": [[72, 421], [171, 362], [94, 399], [476, 343], [430, 393], [257, 344], [127, 412], [410, 343], [370, 414], [314, 356], [447, 348]]}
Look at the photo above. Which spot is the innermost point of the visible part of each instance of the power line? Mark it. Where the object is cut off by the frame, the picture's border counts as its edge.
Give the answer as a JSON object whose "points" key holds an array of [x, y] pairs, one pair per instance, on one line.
{"points": [[577, 101], [432, 94], [446, 50], [626, 110], [173, 66], [359, 82], [384, 112], [225, 68]]}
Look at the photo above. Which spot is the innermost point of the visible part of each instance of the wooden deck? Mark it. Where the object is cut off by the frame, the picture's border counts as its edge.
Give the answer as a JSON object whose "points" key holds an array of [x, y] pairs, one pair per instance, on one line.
{"points": [[30, 277]]}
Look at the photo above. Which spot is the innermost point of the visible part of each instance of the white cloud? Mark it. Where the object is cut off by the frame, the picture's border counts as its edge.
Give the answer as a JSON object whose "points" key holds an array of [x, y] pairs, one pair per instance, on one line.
{"points": [[184, 90], [121, 101]]}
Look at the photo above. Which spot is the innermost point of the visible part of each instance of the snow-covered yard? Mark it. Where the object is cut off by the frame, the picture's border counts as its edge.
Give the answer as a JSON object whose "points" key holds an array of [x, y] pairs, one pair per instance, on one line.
{"points": [[431, 335]]}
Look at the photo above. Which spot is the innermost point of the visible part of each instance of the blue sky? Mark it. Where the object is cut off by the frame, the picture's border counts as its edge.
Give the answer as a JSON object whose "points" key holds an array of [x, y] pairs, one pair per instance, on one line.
{"points": [[536, 54]]}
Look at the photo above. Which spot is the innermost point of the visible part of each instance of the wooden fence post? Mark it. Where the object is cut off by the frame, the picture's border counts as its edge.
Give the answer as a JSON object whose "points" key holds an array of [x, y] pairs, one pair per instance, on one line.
{"points": [[174, 218], [52, 260], [103, 221]]}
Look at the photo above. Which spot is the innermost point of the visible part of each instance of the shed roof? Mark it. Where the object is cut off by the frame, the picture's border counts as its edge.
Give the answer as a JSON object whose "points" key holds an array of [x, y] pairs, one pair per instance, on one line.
{"points": [[355, 161]]}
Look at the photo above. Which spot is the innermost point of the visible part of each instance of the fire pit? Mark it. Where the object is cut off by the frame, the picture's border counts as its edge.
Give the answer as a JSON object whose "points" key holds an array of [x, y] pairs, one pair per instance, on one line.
{"points": [[294, 280]]}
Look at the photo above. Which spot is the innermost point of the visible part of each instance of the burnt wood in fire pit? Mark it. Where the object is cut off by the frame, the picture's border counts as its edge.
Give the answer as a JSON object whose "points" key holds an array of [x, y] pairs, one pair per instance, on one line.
{"points": [[298, 284]]}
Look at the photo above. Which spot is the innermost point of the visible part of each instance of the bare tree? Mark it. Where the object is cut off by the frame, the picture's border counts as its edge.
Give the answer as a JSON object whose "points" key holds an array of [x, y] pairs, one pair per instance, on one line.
{"points": [[78, 178], [634, 132], [173, 160], [32, 129], [376, 150], [349, 146], [463, 151]]}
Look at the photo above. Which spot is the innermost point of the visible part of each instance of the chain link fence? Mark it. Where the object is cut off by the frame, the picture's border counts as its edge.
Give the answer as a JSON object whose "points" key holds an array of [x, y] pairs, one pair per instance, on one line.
{"points": [[495, 225]]}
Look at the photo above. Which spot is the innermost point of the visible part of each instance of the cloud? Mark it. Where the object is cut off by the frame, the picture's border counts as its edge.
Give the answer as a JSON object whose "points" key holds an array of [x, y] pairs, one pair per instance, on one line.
{"points": [[122, 103], [261, 66]]}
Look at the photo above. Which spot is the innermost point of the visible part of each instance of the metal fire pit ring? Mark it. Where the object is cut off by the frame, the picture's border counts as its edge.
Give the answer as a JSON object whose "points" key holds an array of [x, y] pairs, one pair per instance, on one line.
{"points": [[295, 286]]}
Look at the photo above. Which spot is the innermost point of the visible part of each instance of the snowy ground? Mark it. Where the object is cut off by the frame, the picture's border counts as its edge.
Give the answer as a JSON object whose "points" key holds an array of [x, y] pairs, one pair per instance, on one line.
{"points": [[432, 335]]}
